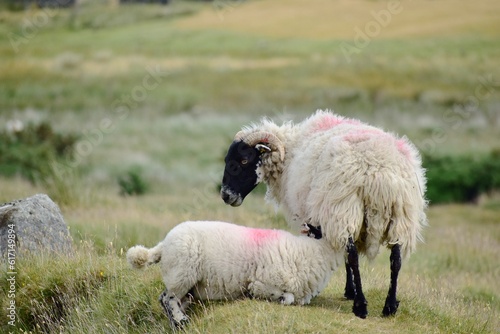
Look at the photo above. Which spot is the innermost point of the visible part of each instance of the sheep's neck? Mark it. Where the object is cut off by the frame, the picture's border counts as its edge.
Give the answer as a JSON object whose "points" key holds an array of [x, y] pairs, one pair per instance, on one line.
{"points": [[273, 191], [275, 169]]}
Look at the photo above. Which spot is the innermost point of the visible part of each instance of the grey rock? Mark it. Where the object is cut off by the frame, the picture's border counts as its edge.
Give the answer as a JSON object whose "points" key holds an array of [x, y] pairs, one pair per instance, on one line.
{"points": [[36, 224]]}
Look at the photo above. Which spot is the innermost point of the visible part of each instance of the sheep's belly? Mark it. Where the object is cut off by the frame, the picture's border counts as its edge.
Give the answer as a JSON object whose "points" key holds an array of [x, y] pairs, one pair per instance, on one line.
{"points": [[207, 291]]}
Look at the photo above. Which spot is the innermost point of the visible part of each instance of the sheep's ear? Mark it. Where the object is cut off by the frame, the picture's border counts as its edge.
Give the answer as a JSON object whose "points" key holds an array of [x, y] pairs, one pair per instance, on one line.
{"points": [[262, 148]]}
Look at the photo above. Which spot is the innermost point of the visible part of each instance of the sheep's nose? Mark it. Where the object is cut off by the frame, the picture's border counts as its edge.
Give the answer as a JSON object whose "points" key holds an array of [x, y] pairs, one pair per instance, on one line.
{"points": [[224, 195]]}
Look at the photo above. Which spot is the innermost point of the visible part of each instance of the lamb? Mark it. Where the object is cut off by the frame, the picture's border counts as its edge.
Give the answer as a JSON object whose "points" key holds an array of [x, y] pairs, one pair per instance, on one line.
{"points": [[216, 260], [362, 186]]}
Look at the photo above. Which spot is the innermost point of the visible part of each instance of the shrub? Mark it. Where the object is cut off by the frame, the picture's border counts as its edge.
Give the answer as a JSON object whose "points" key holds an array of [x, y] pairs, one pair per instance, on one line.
{"points": [[132, 183], [461, 178], [30, 150]]}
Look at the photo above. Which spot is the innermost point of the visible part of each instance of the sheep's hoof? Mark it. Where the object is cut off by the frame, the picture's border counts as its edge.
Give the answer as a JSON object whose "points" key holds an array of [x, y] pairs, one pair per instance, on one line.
{"points": [[390, 308], [360, 308]]}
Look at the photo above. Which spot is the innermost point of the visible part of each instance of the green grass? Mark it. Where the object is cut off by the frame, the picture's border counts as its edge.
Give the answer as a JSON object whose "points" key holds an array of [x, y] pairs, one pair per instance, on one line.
{"points": [[220, 73], [382, 70], [448, 286]]}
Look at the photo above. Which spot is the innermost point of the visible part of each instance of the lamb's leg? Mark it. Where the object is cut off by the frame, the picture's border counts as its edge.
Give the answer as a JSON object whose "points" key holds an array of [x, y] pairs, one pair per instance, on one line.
{"points": [[258, 289], [287, 298], [173, 308], [311, 231], [315, 231], [187, 300], [360, 304], [391, 303], [350, 289]]}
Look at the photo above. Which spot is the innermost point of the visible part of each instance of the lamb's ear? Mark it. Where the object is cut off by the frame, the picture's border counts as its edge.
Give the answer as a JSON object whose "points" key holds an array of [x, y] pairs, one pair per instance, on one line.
{"points": [[262, 148]]}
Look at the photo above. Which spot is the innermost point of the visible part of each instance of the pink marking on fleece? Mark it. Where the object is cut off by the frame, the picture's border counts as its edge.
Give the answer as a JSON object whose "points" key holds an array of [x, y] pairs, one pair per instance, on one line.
{"points": [[403, 148], [329, 121], [363, 134], [259, 236], [265, 139]]}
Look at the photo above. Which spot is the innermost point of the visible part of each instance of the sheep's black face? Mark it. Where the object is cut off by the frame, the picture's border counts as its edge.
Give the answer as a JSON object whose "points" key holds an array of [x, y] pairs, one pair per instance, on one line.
{"points": [[240, 176]]}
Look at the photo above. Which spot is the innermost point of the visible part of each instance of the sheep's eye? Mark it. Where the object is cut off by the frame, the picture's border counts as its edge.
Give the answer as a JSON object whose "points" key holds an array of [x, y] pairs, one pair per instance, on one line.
{"points": [[244, 161]]}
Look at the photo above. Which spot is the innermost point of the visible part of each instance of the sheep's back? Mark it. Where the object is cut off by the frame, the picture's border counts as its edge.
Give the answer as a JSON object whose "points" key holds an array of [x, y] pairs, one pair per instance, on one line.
{"points": [[344, 167]]}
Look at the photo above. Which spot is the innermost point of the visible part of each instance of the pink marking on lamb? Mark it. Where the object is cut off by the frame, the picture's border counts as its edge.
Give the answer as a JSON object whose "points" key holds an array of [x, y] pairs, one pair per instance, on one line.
{"points": [[329, 121], [259, 236]]}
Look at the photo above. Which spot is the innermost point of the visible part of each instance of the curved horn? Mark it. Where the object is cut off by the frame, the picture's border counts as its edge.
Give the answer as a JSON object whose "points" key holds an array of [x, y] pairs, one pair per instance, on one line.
{"points": [[239, 136], [262, 137]]}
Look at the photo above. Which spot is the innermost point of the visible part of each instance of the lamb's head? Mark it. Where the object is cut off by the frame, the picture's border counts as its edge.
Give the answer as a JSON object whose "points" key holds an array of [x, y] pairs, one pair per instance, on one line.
{"points": [[244, 160]]}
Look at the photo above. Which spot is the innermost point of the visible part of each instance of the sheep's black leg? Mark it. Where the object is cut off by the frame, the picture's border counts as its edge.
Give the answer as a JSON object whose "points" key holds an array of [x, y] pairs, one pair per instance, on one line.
{"points": [[311, 231], [360, 304], [315, 231], [350, 290], [391, 303]]}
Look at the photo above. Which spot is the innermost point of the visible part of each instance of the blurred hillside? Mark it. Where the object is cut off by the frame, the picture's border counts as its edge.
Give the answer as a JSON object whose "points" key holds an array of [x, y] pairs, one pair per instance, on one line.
{"points": [[143, 85]]}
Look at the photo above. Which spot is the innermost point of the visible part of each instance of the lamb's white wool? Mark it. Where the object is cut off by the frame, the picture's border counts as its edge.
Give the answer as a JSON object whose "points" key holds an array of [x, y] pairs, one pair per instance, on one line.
{"points": [[218, 260], [352, 179], [140, 256]]}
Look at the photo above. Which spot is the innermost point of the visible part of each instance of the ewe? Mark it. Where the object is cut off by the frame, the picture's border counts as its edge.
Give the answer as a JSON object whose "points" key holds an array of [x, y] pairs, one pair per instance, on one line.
{"points": [[364, 187], [216, 260]]}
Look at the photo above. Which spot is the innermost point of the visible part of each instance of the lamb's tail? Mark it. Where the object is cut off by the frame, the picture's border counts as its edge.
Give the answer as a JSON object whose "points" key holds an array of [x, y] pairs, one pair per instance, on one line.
{"points": [[139, 256]]}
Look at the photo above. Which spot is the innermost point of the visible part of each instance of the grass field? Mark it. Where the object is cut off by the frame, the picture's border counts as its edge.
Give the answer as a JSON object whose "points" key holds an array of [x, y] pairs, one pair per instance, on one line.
{"points": [[448, 286], [164, 89]]}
